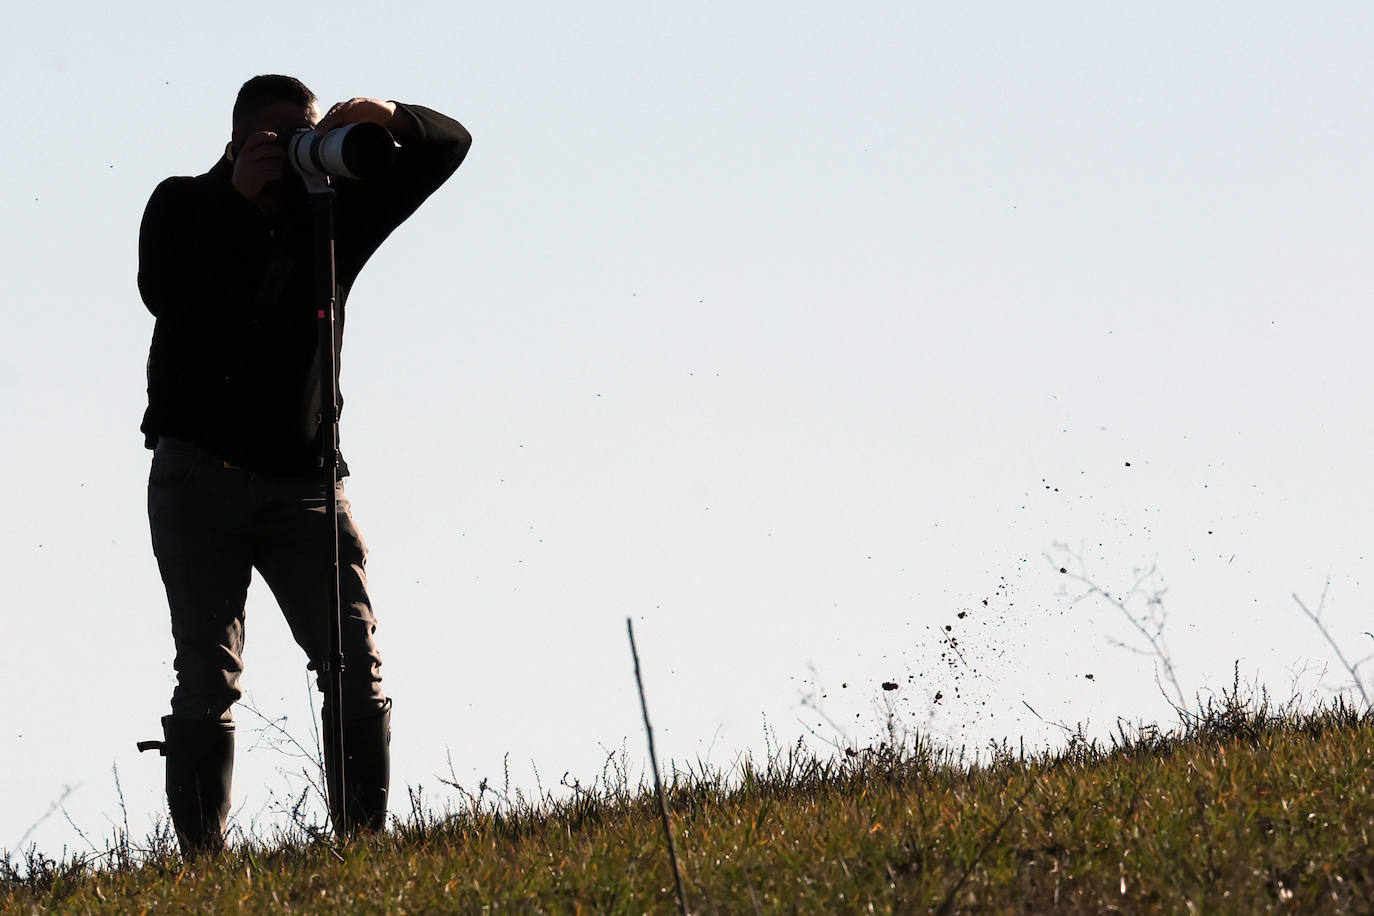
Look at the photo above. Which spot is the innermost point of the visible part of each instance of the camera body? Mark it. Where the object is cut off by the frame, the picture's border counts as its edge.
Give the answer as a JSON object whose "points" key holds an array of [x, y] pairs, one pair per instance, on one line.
{"points": [[359, 151]]}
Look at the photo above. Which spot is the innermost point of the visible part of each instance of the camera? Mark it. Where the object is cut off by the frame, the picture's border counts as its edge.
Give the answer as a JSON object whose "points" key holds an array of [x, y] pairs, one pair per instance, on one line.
{"points": [[351, 151]]}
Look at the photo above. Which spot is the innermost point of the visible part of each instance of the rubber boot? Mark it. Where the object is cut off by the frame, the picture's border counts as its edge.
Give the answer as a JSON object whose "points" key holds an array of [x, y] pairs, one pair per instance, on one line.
{"points": [[200, 768], [366, 771]]}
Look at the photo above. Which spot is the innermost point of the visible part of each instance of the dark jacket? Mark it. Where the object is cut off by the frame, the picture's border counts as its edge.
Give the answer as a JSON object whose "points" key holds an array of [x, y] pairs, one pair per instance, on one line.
{"points": [[233, 365]]}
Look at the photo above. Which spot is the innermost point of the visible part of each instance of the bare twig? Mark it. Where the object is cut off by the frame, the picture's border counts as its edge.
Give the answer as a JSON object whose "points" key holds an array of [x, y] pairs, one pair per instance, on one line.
{"points": [[284, 737], [658, 780], [56, 806], [1316, 618], [1149, 624], [812, 701], [1046, 721]]}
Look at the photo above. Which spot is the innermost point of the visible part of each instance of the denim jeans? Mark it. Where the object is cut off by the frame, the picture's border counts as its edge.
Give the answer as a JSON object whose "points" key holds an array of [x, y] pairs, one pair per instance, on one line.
{"points": [[212, 524]]}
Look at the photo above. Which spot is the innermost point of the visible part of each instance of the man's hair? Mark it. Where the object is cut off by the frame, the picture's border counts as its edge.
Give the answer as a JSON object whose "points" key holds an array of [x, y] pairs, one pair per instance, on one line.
{"points": [[268, 89]]}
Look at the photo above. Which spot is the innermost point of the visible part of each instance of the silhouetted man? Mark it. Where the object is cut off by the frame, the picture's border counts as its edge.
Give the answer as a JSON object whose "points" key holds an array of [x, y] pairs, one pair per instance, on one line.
{"points": [[235, 407]]}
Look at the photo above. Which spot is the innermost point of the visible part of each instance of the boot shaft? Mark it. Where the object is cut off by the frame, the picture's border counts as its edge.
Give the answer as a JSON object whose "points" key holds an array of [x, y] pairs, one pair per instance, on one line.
{"points": [[200, 768], [366, 773]]}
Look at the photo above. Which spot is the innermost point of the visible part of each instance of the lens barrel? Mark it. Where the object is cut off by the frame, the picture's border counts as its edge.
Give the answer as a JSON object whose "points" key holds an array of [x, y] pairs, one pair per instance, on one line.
{"points": [[352, 151]]}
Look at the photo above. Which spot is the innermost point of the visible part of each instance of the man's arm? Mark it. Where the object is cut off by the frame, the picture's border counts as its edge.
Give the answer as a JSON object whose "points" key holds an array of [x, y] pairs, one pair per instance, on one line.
{"points": [[431, 151], [198, 244], [432, 146]]}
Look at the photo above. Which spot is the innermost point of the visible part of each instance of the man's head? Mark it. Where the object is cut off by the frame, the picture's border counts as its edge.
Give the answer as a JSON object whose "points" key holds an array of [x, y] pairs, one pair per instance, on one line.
{"points": [[273, 102]]}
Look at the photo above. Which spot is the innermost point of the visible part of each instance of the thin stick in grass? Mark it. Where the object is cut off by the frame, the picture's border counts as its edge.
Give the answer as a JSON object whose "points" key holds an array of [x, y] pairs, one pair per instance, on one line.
{"points": [[658, 782]]}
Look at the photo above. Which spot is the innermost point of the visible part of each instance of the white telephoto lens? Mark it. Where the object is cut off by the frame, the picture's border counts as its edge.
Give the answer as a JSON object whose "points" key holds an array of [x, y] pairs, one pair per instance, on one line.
{"points": [[330, 151], [300, 154], [356, 151]]}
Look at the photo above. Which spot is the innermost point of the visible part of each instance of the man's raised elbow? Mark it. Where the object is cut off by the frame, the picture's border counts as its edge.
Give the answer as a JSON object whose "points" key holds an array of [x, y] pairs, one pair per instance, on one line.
{"points": [[461, 144]]}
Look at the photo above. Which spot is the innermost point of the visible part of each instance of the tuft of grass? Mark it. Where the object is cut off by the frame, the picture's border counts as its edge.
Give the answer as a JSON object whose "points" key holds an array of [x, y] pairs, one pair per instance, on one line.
{"points": [[1247, 806]]}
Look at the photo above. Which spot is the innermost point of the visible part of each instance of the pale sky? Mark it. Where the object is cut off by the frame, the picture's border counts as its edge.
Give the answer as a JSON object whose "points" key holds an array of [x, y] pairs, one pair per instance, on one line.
{"points": [[791, 331]]}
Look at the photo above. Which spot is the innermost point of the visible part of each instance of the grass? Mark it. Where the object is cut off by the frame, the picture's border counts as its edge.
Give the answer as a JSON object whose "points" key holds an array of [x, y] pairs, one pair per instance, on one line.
{"points": [[1247, 807]]}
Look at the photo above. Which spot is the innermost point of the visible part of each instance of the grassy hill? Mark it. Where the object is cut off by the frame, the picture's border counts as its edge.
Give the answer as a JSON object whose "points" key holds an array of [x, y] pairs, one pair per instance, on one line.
{"points": [[1244, 809]]}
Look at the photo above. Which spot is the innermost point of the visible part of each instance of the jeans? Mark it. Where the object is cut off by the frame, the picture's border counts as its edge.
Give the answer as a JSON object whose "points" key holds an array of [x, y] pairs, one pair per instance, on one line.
{"points": [[212, 524]]}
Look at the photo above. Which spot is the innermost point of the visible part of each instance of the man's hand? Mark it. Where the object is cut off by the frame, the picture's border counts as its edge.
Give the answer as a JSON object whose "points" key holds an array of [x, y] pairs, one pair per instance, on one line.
{"points": [[258, 163], [372, 111]]}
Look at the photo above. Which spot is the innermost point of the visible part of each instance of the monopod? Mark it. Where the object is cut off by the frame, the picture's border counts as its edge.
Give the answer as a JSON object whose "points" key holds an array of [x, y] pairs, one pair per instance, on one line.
{"points": [[326, 303]]}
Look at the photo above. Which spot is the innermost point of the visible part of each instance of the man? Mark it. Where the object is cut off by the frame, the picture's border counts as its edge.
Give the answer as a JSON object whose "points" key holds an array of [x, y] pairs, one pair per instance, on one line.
{"points": [[236, 419]]}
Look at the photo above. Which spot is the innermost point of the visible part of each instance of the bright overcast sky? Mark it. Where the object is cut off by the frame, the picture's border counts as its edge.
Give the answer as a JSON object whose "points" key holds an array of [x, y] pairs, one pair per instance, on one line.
{"points": [[792, 331]]}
